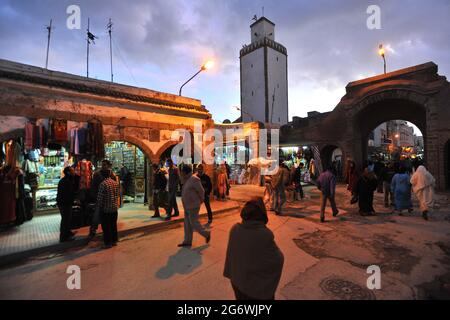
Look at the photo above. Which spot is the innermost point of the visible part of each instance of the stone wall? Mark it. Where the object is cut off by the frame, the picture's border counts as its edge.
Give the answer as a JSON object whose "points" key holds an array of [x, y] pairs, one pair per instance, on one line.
{"points": [[417, 94]]}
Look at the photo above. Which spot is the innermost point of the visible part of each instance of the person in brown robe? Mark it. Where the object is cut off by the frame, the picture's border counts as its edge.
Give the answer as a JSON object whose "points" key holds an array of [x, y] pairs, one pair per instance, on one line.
{"points": [[253, 262]]}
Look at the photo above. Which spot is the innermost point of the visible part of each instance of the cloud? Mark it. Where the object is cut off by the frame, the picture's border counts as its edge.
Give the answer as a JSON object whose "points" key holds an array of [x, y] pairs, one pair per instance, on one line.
{"points": [[159, 44]]}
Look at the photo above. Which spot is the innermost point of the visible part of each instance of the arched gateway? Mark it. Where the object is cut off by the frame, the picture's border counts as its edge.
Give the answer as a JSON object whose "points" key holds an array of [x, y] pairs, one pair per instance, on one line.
{"points": [[417, 94]]}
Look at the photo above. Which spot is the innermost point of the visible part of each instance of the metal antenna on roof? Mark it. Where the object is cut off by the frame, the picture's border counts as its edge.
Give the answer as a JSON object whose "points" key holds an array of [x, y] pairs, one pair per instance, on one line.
{"points": [[90, 37], [109, 27], [49, 29], [263, 11]]}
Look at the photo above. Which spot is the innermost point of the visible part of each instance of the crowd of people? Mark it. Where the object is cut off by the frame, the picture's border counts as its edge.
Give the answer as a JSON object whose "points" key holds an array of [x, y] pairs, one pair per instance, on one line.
{"points": [[253, 261], [166, 183], [397, 180]]}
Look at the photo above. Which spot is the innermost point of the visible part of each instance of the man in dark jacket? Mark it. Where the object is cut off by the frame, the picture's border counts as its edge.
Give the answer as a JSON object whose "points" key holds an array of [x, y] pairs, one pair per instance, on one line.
{"points": [[159, 190], [65, 199], [296, 179], [207, 185], [326, 183], [174, 180]]}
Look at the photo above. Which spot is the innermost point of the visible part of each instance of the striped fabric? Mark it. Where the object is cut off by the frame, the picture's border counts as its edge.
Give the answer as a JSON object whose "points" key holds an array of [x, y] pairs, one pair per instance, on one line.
{"points": [[317, 159]]}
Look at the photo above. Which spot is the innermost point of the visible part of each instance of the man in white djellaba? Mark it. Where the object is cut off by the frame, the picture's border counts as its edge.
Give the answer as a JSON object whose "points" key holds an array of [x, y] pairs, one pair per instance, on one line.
{"points": [[423, 186]]}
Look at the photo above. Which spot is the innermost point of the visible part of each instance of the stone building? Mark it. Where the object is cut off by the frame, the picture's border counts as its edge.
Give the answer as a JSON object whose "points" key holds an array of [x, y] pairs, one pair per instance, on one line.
{"points": [[141, 117], [417, 94]]}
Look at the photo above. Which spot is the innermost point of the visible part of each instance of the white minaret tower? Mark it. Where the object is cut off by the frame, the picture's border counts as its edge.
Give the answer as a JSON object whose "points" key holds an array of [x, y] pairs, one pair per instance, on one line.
{"points": [[264, 87]]}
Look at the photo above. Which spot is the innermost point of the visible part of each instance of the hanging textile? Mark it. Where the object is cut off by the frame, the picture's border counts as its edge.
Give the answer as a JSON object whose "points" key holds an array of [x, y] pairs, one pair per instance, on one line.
{"points": [[8, 195], [13, 153], [94, 140], [84, 170], [317, 159], [42, 137], [29, 135], [81, 139], [59, 130], [21, 214]]}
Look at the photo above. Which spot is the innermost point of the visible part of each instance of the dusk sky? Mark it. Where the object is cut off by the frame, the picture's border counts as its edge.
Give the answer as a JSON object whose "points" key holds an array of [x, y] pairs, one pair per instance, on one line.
{"points": [[158, 44]]}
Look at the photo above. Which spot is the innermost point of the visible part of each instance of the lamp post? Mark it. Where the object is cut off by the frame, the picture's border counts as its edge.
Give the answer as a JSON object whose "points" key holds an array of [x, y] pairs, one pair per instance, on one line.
{"points": [[208, 65], [381, 53], [240, 109]]}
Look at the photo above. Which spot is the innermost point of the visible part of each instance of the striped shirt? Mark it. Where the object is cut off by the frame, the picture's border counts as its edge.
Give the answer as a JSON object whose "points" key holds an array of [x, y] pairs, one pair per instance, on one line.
{"points": [[108, 195]]}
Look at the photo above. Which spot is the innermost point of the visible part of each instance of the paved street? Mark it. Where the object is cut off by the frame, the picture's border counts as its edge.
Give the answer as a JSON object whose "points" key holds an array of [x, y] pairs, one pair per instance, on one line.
{"points": [[322, 261]]}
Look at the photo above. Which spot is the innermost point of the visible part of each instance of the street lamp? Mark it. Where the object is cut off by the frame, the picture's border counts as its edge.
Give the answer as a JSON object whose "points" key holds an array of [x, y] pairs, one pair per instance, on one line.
{"points": [[381, 53], [240, 109], [208, 65]]}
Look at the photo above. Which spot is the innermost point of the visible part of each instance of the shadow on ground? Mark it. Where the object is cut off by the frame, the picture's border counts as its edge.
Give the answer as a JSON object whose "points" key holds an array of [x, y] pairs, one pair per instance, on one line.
{"points": [[183, 262]]}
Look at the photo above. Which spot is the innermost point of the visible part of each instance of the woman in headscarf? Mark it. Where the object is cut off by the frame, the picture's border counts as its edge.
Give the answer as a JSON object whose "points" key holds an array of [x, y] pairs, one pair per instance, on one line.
{"points": [[401, 187], [253, 262], [423, 183], [365, 188]]}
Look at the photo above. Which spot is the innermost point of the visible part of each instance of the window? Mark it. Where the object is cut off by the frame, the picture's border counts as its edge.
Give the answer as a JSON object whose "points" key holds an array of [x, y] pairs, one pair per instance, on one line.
{"points": [[252, 65], [252, 93], [277, 58]]}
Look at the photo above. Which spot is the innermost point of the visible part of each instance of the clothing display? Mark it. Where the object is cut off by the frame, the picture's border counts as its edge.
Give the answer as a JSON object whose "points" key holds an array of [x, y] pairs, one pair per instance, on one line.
{"points": [[12, 196], [35, 136], [13, 153], [78, 138], [84, 170], [58, 130], [94, 141], [8, 195]]}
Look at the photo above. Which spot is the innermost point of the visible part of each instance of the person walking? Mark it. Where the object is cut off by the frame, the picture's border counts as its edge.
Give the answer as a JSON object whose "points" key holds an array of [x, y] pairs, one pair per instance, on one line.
{"points": [[268, 192], [222, 182], [352, 178], [174, 180], [107, 202], [365, 188], [192, 196], [423, 184], [326, 183], [253, 262], [401, 187], [159, 191], [386, 176], [97, 179], [228, 170], [64, 199], [279, 180], [296, 180], [207, 186], [378, 167]]}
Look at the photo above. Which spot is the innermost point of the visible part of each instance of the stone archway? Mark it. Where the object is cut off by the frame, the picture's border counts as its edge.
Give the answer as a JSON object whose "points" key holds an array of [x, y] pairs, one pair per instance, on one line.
{"points": [[375, 111], [133, 140], [417, 94]]}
